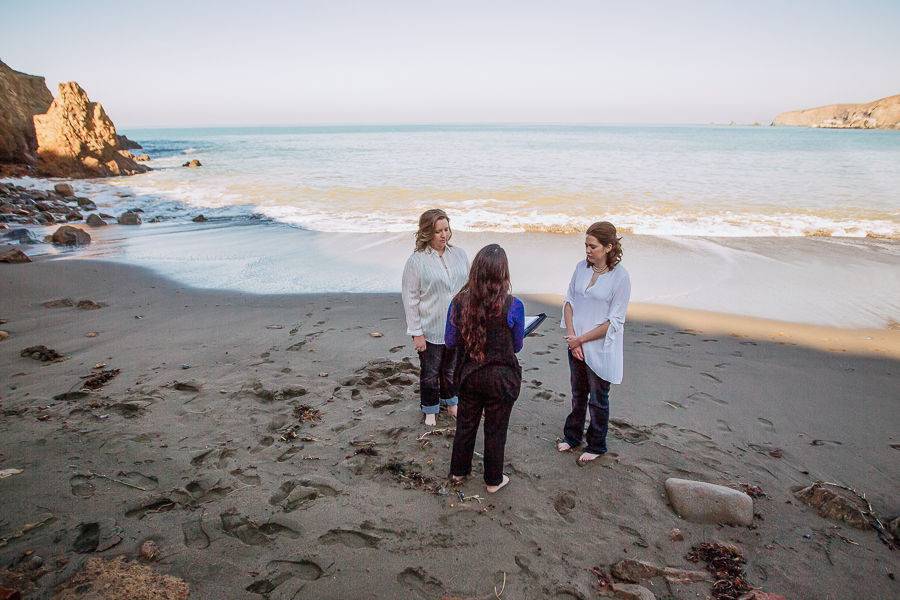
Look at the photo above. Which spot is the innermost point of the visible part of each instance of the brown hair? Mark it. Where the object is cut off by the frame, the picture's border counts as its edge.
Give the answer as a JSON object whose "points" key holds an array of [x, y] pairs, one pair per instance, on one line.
{"points": [[427, 222], [483, 297], [605, 233]]}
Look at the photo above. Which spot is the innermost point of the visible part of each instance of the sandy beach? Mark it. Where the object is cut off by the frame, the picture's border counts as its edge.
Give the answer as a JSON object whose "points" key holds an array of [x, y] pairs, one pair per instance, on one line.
{"points": [[271, 446]]}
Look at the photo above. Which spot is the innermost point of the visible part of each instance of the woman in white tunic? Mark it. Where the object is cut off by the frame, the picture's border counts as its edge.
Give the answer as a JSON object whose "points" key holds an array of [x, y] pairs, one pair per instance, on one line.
{"points": [[594, 319], [433, 275]]}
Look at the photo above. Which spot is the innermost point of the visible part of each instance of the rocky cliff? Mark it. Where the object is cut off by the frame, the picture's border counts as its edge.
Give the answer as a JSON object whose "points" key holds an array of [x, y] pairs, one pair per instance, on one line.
{"points": [[21, 97], [75, 138], [880, 114]]}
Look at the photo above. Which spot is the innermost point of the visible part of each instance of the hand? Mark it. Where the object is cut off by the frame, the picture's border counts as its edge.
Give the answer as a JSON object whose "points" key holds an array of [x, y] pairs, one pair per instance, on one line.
{"points": [[573, 341], [578, 353], [419, 343]]}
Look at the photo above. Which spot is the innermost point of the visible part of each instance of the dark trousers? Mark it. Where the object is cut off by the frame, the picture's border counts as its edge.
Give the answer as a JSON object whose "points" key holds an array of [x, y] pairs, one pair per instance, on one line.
{"points": [[589, 393], [437, 364], [496, 411]]}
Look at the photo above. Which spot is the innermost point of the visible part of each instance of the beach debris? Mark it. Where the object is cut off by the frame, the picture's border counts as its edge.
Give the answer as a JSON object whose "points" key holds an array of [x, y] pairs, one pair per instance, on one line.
{"points": [[41, 353], [27, 528], [726, 564], [187, 386], [445, 431], [761, 595], [199, 219], [118, 578], [4, 335], [192, 163], [498, 594], [14, 256], [754, 491], [776, 453], [96, 381], [410, 477], [130, 217], [305, 413], [149, 551], [89, 304], [635, 571], [4, 473], [376, 334], [366, 451], [70, 236], [323, 374], [676, 535], [841, 503], [703, 502], [603, 583], [59, 303], [274, 326]]}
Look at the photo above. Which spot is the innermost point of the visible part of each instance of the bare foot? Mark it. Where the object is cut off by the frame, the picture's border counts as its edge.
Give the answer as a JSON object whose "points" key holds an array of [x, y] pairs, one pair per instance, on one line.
{"points": [[563, 446], [587, 457], [493, 489], [430, 420], [457, 479], [451, 410]]}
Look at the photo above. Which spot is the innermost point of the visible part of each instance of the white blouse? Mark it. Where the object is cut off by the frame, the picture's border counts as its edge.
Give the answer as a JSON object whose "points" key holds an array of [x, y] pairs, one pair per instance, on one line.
{"points": [[430, 281], [606, 300]]}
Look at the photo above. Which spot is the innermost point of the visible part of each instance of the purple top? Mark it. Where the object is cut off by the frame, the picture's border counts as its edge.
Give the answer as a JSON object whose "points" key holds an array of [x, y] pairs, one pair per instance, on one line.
{"points": [[515, 318]]}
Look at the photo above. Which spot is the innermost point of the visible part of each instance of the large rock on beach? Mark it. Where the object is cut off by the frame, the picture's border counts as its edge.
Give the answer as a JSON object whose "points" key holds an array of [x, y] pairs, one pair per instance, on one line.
{"points": [[13, 255], [75, 138], [703, 502], [129, 218], [22, 236], [64, 189], [880, 114], [86, 203], [70, 236], [94, 220], [22, 97]]}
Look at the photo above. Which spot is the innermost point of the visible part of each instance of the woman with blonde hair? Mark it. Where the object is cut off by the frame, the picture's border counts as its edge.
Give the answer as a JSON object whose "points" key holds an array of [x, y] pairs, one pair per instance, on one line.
{"points": [[434, 273], [594, 319]]}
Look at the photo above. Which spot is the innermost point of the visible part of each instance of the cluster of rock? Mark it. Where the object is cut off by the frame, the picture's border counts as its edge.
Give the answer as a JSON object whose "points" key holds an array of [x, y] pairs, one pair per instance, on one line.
{"points": [[66, 137], [880, 114], [22, 206]]}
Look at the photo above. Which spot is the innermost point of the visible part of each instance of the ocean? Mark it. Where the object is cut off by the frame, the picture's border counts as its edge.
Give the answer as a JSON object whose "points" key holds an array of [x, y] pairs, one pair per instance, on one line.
{"points": [[783, 223]]}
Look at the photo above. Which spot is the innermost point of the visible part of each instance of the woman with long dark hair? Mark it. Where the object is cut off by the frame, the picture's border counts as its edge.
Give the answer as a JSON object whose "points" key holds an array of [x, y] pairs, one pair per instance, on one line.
{"points": [[434, 272], [594, 319], [487, 326]]}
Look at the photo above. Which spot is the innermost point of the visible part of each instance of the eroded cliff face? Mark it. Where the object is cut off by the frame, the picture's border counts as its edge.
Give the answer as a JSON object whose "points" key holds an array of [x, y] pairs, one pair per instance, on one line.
{"points": [[21, 97], [75, 138], [880, 114]]}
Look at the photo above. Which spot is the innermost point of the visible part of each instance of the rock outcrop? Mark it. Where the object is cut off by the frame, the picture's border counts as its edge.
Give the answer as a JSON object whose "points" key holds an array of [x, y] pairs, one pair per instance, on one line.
{"points": [[22, 97], [126, 144], [880, 114], [77, 139]]}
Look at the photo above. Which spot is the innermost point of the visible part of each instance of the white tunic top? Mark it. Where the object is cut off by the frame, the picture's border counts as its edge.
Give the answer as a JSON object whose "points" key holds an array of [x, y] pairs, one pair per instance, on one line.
{"points": [[606, 300], [430, 281]]}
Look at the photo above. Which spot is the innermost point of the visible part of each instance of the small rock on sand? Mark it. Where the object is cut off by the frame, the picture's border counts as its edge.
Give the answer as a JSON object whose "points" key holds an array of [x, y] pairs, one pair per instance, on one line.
{"points": [[94, 220], [703, 502], [70, 236], [630, 591], [199, 219], [3, 335], [13, 256]]}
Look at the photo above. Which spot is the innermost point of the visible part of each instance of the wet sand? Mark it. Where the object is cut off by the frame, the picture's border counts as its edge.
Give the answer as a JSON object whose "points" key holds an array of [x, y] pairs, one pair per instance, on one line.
{"points": [[252, 438]]}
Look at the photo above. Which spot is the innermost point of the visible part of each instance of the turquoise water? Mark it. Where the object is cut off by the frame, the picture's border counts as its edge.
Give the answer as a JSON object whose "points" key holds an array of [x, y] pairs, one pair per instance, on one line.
{"points": [[658, 180]]}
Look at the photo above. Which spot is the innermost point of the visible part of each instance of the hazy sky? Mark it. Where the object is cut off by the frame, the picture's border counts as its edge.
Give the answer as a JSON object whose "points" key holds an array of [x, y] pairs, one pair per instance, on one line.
{"points": [[198, 62]]}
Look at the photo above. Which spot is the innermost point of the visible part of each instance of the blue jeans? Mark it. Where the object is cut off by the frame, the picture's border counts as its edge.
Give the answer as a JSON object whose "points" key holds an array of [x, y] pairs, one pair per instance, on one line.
{"points": [[436, 378], [590, 393]]}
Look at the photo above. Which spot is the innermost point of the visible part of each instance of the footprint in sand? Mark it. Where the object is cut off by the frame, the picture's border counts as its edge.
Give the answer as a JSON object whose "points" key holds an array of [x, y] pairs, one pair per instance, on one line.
{"points": [[396, 349], [678, 364], [541, 352], [350, 538], [280, 571], [705, 397], [722, 425], [766, 423], [81, 486], [195, 535], [564, 504], [711, 376], [244, 529], [544, 395], [419, 581]]}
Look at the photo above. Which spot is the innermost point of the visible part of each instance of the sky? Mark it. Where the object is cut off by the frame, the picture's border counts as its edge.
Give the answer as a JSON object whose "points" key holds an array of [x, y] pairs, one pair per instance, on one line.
{"points": [[204, 63]]}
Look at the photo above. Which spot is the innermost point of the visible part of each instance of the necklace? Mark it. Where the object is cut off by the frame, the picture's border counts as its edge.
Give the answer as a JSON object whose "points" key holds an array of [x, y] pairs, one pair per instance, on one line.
{"points": [[600, 271]]}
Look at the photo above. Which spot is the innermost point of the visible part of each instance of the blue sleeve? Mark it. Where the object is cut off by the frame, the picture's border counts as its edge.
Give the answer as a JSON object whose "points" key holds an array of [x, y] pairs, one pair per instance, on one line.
{"points": [[451, 333], [516, 320]]}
